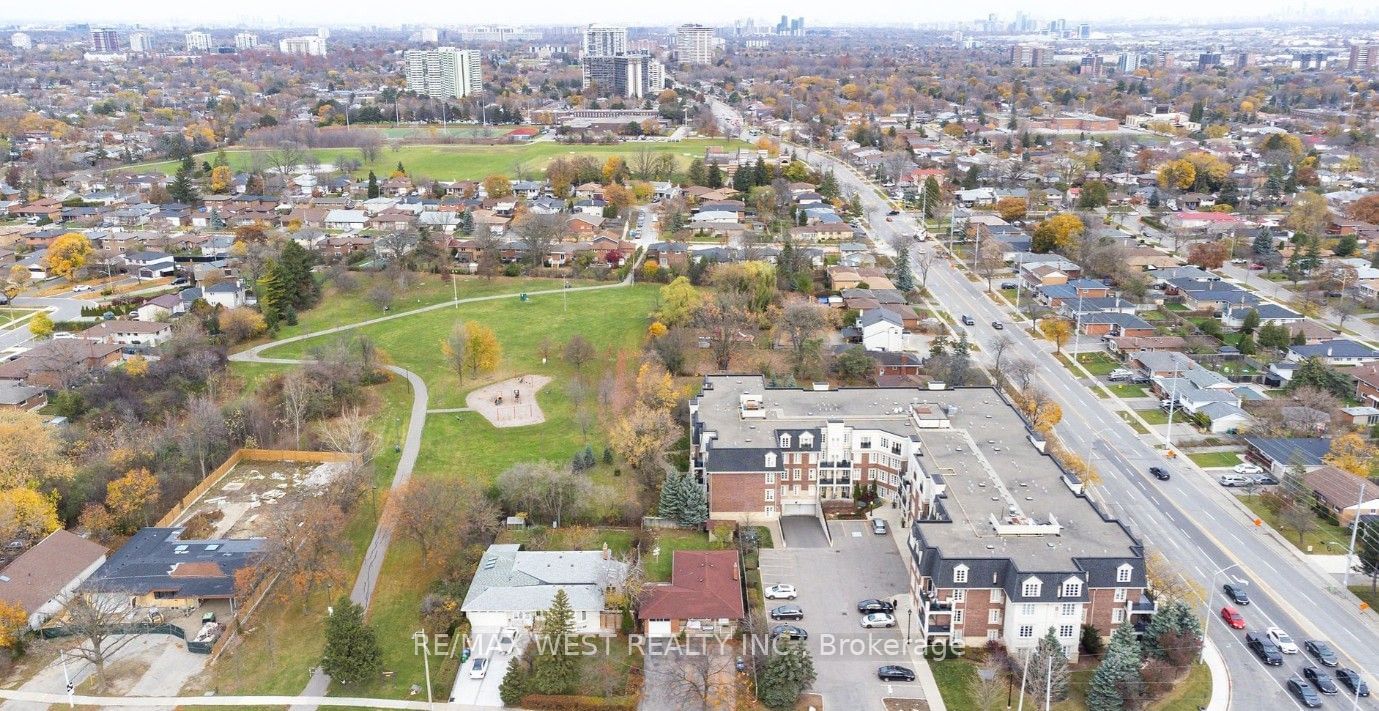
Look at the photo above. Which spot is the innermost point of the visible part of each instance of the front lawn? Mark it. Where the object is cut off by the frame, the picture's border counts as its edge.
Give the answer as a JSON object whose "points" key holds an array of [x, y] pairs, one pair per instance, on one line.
{"points": [[1365, 593], [1191, 694], [1208, 460], [1315, 539], [1098, 363], [1127, 390], [1155, 416], [1134, 423]]}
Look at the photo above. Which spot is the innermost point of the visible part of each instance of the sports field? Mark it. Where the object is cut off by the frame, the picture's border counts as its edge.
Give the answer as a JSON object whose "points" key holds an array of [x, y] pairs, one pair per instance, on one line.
{"points": [[471, 162]]}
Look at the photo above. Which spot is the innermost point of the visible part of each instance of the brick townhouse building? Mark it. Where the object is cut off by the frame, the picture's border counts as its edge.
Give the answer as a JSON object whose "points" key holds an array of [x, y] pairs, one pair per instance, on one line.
{"points": [[1002, 543]]}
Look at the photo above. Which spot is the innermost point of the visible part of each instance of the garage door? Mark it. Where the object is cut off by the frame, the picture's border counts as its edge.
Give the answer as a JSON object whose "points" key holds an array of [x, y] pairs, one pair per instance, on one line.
{"points": [[658, 628], [798, 510]]}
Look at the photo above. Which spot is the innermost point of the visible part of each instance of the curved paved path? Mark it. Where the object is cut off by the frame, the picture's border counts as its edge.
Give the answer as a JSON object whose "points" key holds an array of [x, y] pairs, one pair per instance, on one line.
{"points": [[365, 582]]}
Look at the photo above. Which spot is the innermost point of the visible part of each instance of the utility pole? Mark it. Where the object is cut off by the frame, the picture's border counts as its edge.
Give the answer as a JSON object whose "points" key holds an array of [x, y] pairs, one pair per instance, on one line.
{"points": [[1024, 674], [1172, 405], [1354, 531]]}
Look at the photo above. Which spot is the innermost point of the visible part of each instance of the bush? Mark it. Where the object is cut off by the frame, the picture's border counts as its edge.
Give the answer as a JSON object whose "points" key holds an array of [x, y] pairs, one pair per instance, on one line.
{"points": [[512, 270], [546, 702]]}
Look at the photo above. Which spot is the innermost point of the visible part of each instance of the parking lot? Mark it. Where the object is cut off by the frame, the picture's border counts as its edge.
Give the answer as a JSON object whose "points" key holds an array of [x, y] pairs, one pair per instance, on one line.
{"points": [[831, 581]]}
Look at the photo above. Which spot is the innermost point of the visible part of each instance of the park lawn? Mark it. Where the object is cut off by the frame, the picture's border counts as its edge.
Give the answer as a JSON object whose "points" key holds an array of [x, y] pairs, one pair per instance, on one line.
{"points": [[1365, 593], [541, 538], [1316, 539], [253, 375], [474, 162], [1192, 692], [1098, 363], [1207, 460], [668, 541], [1154, 416]]}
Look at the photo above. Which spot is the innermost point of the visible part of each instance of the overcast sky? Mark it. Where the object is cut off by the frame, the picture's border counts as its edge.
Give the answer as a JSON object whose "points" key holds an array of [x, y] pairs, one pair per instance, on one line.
{"points": [[268, 13]]}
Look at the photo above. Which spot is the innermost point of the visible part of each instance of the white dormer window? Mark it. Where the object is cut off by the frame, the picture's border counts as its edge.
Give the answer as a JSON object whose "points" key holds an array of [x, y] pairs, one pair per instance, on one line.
{"points": [[960, 574], [1031, 587], [785, 441], [770, 460], [1071, 588], [1123, 573], [806, 440]]}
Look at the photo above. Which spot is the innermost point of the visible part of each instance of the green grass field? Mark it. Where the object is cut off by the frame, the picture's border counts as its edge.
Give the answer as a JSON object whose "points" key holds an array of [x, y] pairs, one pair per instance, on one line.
{"points": [[470, 162], [1191, 694], [1215, 459], [1154, 416]]}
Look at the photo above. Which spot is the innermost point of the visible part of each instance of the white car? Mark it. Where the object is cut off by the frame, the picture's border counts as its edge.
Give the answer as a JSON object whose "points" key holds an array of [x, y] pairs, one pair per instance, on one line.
{"points": [[506, 639], [780, 592], [1247, 468], [1281, 640], [80, 288], [878, 619], [478, 668]]}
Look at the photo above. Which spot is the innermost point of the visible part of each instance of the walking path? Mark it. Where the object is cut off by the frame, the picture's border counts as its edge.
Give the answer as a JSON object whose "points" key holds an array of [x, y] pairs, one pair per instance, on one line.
{"points": [[366, 581]]}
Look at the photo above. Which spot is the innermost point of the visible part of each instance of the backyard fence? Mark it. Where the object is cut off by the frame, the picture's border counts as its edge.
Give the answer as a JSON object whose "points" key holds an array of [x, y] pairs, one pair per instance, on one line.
{"points": [[246, 454]]}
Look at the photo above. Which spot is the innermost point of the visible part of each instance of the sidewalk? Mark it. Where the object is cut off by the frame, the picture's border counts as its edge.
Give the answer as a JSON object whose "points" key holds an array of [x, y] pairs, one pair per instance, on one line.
{"points": [[1220, 680], [904, 609]]}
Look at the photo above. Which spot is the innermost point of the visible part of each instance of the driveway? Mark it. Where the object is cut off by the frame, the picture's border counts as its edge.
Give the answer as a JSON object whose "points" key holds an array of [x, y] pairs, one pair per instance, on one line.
{"points": [[831, 581], [166, 665], [484, 692], [685, 674], [803, 532]]}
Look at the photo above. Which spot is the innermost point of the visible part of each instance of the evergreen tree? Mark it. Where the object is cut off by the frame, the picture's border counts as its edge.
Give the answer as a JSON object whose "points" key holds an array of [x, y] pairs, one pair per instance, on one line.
{"points": [[1250, 322], [1198, 109], [1048, 668], [1174, 621], [960, 361], [828, 186], [715, 177], [742, 180], [1117, 678], [904, 277], [556, 670], [787, 673], [1246, 344], [760, 175], [182, 189], [696, 502], [932, 195], [352, 654], [671, 506], [1263, 243], [221, 159], [373, 186], [303, 291], [274, 295], [969, 181], [465, 223], [514, 685]]}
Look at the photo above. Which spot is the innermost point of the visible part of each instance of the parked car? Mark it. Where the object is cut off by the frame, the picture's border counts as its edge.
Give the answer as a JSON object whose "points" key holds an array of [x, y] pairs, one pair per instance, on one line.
{"points": [[895, 672], [878, 526], [1305, 693], [1009, 285], [81, 288], [1322, 651], [1159, 473], [1351, 680], [1246, 468], [1264, 649], [506, 639], [1233, 617], [1281, 640], [787, 612], [478, 667], [874, 605], [789, 632], [1236, 594], [878, 619], [1265, 480], [968, 320], [998, 325], [1233, 480], [893, 213], [780, 591], [1320, 679]]}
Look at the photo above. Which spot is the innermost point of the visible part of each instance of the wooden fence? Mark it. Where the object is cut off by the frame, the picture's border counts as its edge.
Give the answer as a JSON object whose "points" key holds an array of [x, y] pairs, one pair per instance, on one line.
{"points": [[239, 455]]}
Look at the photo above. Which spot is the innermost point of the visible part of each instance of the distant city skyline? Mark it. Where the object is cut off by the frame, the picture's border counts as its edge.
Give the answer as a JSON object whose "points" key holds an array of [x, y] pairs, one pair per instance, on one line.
{"points": [[344, 13]]}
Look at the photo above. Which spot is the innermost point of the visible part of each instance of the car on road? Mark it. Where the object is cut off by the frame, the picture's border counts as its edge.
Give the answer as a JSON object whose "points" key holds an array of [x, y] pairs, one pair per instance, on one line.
{"points": [[895, 672], [787, 612], [878, 526], [878, 619], [1159, 473], [893, 213], [998, 325], [1236, 594], [1322, 652], [1281, 640], [1350, 679], [874, 605], [1233, 617], [968, 320], [780, 591], [789, 632], [478, 667], [1247, 468], [1264, 649], [81, 288], [1305, 693], [1320, 679]]}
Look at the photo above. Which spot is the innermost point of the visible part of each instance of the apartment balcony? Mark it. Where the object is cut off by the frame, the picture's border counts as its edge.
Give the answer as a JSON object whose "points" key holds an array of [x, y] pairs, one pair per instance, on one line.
{"points": [[1146, 605]]}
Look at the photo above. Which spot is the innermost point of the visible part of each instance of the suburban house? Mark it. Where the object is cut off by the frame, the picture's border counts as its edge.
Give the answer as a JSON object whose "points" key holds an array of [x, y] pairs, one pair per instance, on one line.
{"points": [[129, 333], [1224, 417], [1115, 324], [43, 578], [704, 596], [1366, 383], [346, 219], [156, 568], [150, 265], [1233, 316], [1339, 351], [1277, 454], [1345, 495], [882, 330], [227, 294], [158, 308], [14, 396], [513, 587]]}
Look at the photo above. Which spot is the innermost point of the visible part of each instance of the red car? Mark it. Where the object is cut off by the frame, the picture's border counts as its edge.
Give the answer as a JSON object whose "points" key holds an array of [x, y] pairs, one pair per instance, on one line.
{"points": [[1232, 618]]}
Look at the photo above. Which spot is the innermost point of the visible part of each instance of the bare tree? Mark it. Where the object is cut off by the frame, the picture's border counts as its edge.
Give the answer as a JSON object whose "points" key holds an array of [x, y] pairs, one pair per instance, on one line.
{"points": [[924, 261], [989, 259], [578, 352], [540, 232], [97, 621], [304, 546], [444, 516], [1020, 372], [201, 430], [370, 143], [800, 323], [397, 243], [700, 679], [999, 349], [284, 159], [544, 488], [297, 394], [724, 322]]}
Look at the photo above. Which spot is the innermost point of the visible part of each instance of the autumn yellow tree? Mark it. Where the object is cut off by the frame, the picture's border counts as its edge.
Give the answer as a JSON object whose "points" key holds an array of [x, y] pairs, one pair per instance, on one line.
{"points": [[26, 515], [679, 301], [130, 498], [619, 197], [1057, 330], [484, 352], [136, 366], [68, 254], [30, 453], [1047, 414], [14, 627], [1012, 208], [1057, 232], [614, 170], [242, 323], [497, 186], [220, 179], [1352, 453], [1177, 175], [455, 349], [41, 325]]}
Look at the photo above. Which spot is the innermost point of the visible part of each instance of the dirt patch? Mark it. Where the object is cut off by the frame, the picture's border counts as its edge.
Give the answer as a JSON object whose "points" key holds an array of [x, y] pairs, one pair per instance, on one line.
{"points": [[120, 678], [906, 704], [233, 507], [510, 403]]}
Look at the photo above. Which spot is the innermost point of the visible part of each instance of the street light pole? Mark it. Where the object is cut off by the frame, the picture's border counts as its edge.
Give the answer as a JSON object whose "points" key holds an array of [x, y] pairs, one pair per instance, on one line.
{"points": [[1354, 531], [1206, 607], [67, 678]]}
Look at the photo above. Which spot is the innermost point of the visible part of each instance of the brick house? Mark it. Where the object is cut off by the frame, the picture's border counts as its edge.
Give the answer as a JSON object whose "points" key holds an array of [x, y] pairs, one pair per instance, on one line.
{"points": [[704, 596]]}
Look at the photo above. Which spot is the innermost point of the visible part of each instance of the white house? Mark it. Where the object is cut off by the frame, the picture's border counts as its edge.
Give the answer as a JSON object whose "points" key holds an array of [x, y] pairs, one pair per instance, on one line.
{"points": [[1338, 351], [513, 587], [346, 219], [129, 333], [228, 294], [149, 265], [42, 578], [882, 330], [158, 308]]}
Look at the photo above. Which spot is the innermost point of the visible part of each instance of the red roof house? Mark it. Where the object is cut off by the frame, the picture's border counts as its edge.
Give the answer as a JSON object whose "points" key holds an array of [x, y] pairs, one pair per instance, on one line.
{"points": [[704, 596]]}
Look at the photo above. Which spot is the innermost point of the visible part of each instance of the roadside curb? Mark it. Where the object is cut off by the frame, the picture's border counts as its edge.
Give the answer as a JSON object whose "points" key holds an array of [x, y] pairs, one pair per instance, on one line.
{"points": [[1220, 680]]}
